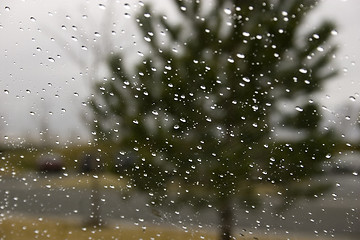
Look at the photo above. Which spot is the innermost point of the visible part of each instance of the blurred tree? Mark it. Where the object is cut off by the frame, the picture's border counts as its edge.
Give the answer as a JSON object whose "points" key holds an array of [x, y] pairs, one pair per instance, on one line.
{"points": [[203, 110]]}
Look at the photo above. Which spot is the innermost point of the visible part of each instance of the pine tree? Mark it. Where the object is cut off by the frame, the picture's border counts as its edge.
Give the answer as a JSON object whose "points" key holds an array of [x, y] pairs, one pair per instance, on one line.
{"points": [[203, 112]]}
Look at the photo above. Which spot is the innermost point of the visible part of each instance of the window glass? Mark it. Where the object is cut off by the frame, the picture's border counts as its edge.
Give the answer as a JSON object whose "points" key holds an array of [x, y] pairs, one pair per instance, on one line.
{"points": [[179, 119]]}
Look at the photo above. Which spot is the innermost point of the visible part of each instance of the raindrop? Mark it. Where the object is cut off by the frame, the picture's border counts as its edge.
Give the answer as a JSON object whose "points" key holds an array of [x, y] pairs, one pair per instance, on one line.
{"points": [[76, 94], [97, 34], [230, 60], [352, 98], [302, 70], [32, 19], [246, 79], [148, 39], [63, 110], [320, 49], [32, 113], [74, 38], [84, 48], [6, 91], [239, 55], [102, 6], [316, 36], [299, 109], [51, 59], [355, 173], [227, 11], [7, 8]]}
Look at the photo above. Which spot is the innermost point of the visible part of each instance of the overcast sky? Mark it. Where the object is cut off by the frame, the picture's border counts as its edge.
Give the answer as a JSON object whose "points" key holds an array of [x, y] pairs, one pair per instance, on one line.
{"points": [[47, 49]]}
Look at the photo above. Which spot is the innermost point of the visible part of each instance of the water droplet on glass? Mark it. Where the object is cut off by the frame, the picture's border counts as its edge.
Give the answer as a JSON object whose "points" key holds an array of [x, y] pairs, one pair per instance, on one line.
{"points": [[6, 91], [51, 59], [148, 39], [97, 34], [32, 19], [102, 6], [32, 113], [299, 109], [302, 70], [352, 98], [227, 11], [7, 8], [84, 48], [246, 79], [239, 55], [74, 38]]}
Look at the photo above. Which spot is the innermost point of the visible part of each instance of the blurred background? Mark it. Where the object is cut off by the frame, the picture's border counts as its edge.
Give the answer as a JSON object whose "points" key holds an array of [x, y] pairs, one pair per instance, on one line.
{"points": [[55, 52]]}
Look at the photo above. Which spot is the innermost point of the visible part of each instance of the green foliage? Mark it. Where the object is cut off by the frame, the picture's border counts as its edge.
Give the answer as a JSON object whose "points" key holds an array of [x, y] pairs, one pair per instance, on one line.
{"points": [[203, 111]]}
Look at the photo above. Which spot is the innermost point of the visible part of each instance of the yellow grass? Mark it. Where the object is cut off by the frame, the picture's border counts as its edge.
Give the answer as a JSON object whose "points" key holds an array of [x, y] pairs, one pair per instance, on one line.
{"points": [[23, 228], [29, 228]]}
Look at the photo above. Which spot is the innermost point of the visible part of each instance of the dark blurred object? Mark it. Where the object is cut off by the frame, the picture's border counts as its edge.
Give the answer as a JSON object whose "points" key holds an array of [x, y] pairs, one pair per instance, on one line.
{"points": [[89, 163], [50, 163], [123, 162]]}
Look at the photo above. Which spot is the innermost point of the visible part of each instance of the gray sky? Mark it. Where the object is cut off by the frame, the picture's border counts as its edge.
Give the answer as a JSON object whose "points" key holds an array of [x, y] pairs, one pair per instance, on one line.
{"points": [[41, 80]]}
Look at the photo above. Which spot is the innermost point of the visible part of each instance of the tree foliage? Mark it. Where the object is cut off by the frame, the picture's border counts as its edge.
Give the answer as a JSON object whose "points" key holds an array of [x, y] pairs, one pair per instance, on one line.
{"points": [[203, 111]]}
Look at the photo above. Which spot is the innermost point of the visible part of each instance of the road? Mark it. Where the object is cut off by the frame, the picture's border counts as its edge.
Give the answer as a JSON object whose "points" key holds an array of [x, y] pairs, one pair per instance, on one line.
{"points": [[336, 214]]}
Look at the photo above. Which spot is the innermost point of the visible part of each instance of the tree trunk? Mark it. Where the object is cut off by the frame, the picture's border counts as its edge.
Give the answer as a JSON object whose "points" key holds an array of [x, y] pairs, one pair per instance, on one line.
{"points": [[226, 218], [95, 219]]}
